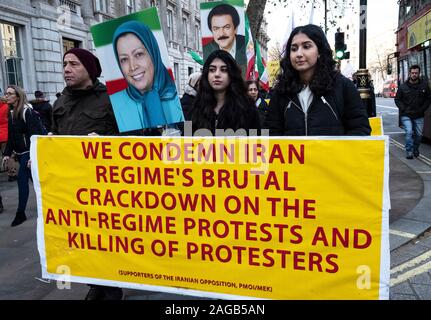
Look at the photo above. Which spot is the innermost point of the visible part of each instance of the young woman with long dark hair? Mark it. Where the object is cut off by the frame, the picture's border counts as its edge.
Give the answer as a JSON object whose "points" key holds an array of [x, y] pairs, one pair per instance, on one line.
{"points": [[311, 97], [222, 101], [23, 123]]}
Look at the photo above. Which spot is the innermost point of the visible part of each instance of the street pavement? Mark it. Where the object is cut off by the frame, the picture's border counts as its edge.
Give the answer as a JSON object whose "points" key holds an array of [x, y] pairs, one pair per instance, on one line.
{"points": [[410, 241], [410, 236]]}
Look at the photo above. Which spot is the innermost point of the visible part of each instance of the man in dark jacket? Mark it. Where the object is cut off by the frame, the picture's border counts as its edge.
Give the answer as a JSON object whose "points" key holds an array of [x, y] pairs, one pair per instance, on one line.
{"points": [[84, 108], [413, 99], [42, 106]]}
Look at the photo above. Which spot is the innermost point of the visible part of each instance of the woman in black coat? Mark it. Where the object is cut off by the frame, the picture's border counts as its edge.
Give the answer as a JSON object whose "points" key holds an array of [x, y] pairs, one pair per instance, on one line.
{"points": [[222, 102], [310, 97], [23, 123]]}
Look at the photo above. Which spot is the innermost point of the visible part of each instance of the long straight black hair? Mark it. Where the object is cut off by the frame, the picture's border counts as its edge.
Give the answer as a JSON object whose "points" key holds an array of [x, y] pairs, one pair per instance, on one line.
{"points": [[236, 110], [324, 75]]}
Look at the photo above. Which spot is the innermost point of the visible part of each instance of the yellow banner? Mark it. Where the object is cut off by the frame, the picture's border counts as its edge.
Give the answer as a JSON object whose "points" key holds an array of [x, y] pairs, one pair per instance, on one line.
{"points": [[419, 31], [376, 125], [273, 218], [273, 67]]}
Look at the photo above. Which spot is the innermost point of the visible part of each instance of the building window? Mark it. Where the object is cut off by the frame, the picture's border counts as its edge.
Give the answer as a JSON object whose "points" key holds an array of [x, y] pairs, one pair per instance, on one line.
{"points": [[69, 44], [130, 6], [198, 42], [153, 3], [71, 5], [190, 71], [101, 6], [170, 25], [11, 55], [185, 31], [177, 75]]}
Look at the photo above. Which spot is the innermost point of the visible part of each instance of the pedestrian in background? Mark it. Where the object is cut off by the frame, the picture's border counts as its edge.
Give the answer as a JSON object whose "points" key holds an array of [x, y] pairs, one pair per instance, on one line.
{"points": [[84, 108], [4, 111], [222, 101], [253, 92], [42, 106], [413, 99], [22, 124], [311, 97]]}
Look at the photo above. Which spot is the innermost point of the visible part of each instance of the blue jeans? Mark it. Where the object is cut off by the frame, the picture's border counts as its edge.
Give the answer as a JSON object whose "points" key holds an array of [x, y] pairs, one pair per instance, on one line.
{"points": [[24, 174], [413, 128]]}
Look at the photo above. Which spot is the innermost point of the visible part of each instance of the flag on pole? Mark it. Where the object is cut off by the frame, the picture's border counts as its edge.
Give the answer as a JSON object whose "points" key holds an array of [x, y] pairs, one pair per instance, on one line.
{"points": [[311, 20], [196, 57], [290, 26], [262, 69], [249, 51]]}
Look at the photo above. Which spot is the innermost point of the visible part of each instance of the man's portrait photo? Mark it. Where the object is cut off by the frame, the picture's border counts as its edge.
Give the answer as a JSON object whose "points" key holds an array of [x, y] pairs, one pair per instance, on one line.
{"points": [[226, 30]]}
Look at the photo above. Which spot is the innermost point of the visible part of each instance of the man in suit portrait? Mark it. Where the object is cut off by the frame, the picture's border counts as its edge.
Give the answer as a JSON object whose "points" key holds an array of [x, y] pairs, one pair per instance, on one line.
{"points": [[223, 21]]}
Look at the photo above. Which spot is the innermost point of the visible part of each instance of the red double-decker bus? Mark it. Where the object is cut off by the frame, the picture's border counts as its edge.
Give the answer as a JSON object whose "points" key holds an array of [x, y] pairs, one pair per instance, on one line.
{"points": [[389, 89]]}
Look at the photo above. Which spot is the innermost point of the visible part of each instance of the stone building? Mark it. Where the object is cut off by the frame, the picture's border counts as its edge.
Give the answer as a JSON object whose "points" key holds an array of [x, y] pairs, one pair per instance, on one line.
{"points": [[34, 35]]}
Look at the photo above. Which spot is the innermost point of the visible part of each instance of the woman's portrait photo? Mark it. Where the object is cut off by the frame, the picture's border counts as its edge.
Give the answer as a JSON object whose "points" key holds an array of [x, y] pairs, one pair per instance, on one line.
{"points": [[145, 95]]}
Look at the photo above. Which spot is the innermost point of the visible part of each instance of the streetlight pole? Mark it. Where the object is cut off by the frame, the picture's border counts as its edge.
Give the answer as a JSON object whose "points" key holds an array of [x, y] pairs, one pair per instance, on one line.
{"points": [[326, 16], [362, 75]]}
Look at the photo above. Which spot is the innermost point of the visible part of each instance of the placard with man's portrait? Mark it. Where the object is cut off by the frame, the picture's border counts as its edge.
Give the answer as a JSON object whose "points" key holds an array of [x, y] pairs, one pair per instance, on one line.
{"points": [[223, 27]]}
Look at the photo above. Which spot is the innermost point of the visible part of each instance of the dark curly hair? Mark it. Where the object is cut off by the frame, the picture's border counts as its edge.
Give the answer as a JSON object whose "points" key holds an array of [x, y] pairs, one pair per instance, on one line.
{"points": [[288, 80], [237, 108]]}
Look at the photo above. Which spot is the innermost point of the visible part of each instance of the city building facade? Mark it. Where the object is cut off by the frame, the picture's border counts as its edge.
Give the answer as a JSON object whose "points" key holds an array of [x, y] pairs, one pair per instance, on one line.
{"points": [[34, 34], [413, 45]]}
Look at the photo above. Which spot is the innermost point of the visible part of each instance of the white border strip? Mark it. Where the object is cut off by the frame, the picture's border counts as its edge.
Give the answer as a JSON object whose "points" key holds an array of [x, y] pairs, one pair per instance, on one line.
{"points": [[40, 232], [385, 277]]}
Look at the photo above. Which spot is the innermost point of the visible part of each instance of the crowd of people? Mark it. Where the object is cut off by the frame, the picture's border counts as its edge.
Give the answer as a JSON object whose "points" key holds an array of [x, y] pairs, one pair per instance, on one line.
{"points": [[310, 98]]}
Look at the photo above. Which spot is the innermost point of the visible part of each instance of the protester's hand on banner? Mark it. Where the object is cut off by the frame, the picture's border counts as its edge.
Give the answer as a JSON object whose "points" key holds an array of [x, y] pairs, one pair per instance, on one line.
{"points": [[93, 134]]}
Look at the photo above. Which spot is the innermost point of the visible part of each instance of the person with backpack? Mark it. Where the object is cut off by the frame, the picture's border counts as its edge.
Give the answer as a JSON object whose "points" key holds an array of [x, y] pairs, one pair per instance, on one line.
{"points": [[311, 98], [23, 123]]}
